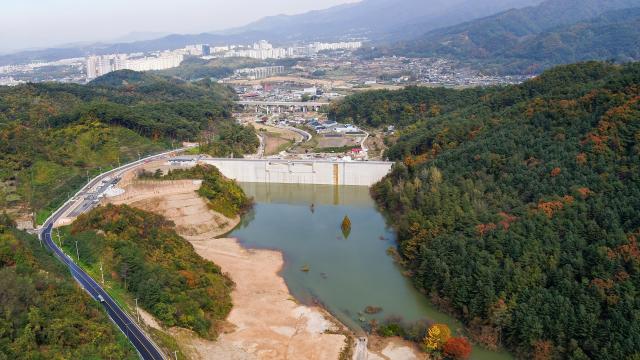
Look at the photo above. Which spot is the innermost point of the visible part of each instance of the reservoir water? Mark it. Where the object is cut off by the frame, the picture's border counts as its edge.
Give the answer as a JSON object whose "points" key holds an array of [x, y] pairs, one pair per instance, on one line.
{"points": [[344, 274]]}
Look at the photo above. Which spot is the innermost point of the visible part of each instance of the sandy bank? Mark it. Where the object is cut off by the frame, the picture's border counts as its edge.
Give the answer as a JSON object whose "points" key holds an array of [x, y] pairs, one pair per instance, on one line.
{"points": [[266, 322], [393, 349]]}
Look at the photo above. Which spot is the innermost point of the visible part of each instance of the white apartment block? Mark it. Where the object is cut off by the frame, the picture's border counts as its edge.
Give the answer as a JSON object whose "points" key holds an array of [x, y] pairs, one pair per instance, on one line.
{"points": [[260, 72], [101, 65]]}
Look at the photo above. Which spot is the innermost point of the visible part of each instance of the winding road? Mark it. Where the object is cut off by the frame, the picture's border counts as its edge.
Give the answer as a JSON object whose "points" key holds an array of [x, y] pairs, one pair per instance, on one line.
{"points": [[82, 202]]}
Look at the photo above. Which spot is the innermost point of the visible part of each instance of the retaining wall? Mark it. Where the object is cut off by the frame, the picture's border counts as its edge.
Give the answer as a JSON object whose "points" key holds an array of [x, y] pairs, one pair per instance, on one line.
{"points": [[359, 173]]}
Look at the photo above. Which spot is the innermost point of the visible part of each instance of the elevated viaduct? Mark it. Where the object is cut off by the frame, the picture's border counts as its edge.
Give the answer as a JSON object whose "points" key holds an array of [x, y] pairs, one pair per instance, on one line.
{"points": [[278, 106]]}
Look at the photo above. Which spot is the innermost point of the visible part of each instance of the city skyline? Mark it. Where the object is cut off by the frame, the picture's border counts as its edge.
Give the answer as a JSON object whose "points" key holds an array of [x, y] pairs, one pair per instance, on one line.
{"points": [[61, 22]]}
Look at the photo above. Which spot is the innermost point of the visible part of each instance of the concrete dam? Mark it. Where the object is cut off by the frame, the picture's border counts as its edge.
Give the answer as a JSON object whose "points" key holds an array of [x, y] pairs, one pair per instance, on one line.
{"points": [[320, 172]]}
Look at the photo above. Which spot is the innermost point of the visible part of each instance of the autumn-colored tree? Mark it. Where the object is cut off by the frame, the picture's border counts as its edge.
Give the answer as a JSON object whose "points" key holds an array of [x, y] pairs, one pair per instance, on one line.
{"points": [[483, 229], [555, 172], [457, 348], [584, 192], [346, 226], [550, 207], [507, 220], [437, 336], [542, 350]]}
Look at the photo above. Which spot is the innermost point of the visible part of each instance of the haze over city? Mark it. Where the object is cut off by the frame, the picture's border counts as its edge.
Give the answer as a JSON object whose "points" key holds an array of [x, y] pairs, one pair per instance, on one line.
{"points": [[45, 23]]}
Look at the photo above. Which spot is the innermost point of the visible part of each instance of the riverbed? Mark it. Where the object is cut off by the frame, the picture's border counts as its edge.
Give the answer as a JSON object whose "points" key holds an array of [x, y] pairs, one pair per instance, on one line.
{"points": [[343, 273]]}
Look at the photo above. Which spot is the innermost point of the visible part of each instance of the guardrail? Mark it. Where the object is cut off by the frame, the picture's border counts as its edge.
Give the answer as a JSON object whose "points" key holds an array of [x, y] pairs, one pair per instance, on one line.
{"points": [[146, 347]]}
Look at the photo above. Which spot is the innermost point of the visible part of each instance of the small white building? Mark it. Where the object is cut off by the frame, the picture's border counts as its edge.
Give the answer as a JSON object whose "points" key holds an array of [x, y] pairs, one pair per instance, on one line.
{"points": [[346, 128], [310, 91], [186, 161]]}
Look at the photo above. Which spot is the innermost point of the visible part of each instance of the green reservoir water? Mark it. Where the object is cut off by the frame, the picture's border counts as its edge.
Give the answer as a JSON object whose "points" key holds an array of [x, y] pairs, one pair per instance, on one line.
{"points": [[345, 275]]}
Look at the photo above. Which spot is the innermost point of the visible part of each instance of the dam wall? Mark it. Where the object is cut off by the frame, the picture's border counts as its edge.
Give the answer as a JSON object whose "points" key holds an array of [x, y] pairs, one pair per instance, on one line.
{"points": [[319, 172]]}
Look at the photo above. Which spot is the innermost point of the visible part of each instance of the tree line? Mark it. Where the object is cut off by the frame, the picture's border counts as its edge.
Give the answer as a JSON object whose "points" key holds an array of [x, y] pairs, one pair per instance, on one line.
{"points": [[517, 211], [142, 254], [43, 313]]}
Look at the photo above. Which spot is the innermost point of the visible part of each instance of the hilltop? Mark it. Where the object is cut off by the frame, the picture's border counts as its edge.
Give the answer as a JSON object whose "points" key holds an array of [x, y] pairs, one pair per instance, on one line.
{"points": [[517, 209], [43, 313], [54, 136], [534, 38]]}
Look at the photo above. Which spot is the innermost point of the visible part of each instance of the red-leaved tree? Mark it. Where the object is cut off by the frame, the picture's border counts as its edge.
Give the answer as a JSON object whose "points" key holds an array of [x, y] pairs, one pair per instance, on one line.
{"points": [[457, 348]]}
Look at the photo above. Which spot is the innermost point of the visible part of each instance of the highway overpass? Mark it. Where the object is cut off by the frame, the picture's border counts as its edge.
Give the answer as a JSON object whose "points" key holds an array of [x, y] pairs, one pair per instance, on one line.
{"points": [[277, 106]]}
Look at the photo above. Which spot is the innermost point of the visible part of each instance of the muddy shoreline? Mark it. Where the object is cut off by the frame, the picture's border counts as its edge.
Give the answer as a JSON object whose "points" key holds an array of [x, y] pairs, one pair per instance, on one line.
{"points": [[266, 321]]}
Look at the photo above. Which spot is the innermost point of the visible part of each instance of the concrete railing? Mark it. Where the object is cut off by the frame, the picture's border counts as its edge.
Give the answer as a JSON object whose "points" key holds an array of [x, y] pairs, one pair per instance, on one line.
{"points": [[322, 172]]}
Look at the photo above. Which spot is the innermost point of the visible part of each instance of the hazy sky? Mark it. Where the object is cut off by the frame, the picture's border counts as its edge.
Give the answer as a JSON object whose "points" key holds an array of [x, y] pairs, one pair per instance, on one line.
{"points": [[42, 23]]}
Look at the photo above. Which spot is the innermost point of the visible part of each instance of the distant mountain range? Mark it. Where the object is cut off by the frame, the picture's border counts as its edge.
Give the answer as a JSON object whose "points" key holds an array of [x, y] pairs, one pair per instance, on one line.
{"points": [[536, 37], [374, 19], [500, 36]]}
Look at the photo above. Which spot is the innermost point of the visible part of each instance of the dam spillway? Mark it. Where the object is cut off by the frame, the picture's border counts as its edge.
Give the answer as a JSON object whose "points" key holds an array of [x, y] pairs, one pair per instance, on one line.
{"points": [[319, 172]]}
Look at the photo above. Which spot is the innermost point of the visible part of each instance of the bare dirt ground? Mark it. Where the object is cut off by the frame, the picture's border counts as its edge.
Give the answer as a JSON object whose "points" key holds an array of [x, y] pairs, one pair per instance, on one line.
{"points": [[275, 144], [276, 137], [334, 141], [393, 349], [266, 322], [376, 146]]}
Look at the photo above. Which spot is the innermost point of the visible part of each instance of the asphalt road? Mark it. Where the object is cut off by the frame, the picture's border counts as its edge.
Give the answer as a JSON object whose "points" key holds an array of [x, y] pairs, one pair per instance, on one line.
{"points": [[146, 348]]}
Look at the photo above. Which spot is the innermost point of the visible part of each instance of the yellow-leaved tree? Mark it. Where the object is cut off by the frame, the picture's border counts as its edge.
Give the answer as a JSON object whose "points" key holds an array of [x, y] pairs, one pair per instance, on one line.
{"points": [[437, 336]]}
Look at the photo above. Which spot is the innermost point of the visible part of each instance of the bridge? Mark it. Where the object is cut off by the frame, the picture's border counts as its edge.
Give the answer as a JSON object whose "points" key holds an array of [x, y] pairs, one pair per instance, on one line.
{"points": [[278, 106]]}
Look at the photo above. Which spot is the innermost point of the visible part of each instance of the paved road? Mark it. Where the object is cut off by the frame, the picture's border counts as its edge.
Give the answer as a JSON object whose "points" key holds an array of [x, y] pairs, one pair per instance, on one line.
{"points": [[147, 349], [306, 137]]}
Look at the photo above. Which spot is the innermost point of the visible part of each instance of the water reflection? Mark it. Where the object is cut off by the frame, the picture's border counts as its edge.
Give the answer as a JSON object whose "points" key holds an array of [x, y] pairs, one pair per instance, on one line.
{"points": [[345, 275]]}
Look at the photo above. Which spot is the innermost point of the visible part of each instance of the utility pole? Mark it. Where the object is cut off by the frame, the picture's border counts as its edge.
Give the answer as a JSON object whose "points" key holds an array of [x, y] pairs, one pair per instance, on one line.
{"points": [[33, 210], [137, 310], [101, 272], [77, 252], [59, 238]]}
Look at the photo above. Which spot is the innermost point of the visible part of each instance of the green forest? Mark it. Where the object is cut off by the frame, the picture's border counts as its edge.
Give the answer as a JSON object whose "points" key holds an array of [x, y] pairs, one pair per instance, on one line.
{"points": [[54, 136], [194, 68], [517, 210], [142, 255], [224, 195], [228, 138], [43, 313]]}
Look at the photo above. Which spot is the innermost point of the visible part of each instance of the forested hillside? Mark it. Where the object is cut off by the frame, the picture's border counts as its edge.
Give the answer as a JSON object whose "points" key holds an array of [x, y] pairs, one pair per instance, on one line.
{"points": [[52, 136], [196, 68], [224, 195], [519, 210], [400, 108], [532, 39], [43, 314], [143, 257]]}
